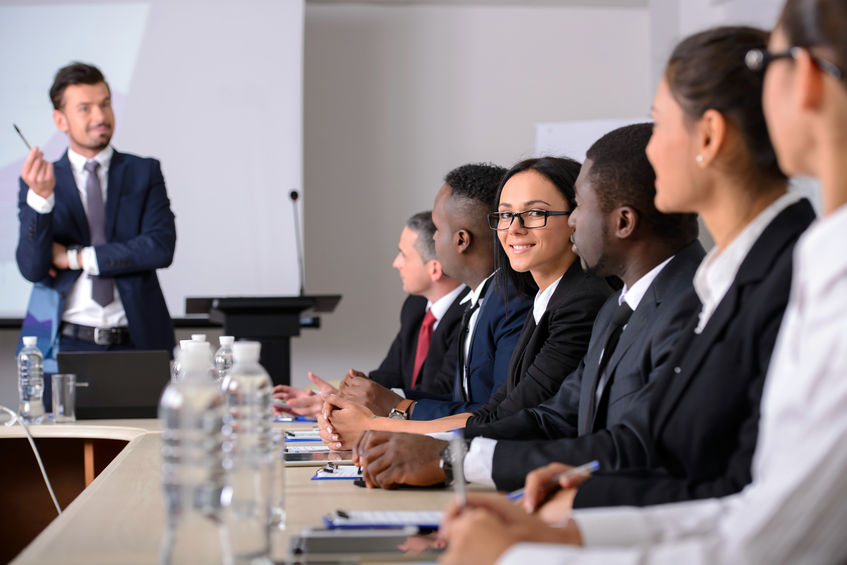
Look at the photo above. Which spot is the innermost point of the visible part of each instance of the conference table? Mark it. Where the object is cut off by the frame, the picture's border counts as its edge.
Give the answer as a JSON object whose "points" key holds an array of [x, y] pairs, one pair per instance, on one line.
{"points": [[119, 516]]}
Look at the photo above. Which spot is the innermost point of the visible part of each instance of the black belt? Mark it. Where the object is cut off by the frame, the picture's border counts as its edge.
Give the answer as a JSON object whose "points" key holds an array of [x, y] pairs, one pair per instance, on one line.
{"points": [[100, 336]]}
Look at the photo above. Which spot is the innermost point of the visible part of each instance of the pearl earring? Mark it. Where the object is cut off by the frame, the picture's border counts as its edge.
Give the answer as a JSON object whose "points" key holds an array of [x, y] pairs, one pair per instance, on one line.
{"points": [[699, 158]]}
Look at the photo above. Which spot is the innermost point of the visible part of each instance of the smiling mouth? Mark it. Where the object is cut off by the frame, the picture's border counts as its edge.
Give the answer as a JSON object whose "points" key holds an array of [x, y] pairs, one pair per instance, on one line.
{"points": [[521, 247]]}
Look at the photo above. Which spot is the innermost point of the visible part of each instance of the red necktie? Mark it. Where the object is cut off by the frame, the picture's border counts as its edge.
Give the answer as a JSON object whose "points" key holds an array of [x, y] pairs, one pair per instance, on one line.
{"points": [[424, 339]]}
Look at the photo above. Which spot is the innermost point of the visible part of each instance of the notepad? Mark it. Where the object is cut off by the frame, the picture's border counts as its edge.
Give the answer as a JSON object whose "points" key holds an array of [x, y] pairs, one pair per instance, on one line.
{"points": [[333, 471], [302, 435], [383, 519], [307, 449]]}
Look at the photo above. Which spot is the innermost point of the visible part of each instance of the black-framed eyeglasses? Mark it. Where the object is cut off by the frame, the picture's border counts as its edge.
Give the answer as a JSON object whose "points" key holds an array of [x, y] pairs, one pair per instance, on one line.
{"points": [[528, 219], [757, 60]]}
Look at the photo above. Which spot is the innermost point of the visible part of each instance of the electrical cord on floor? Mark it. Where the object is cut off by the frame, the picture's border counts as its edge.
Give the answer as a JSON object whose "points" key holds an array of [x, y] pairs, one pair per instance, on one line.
{"points": [[16, 418]]}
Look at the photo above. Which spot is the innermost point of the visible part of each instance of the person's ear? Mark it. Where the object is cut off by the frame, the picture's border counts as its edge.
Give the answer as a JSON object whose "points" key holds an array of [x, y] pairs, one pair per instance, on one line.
{"points": [[60, 120], [710, 132], [625, 222], [809, 81], [434, 268], [462, 240]]}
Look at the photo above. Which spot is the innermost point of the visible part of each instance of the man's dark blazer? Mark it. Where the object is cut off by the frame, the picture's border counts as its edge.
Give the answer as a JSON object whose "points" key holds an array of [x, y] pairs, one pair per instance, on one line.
{"points": [[704, 412], [140, 234], [499, 322], [548, 351], [436, 376], [561, 428]]}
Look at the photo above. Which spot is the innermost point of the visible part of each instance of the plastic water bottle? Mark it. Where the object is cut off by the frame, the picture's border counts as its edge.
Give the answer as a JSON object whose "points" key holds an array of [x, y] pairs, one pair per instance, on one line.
{"points": [[176, 366], [31, 382], [223, 356], [191, 412], [198, 337], [249, 449]]}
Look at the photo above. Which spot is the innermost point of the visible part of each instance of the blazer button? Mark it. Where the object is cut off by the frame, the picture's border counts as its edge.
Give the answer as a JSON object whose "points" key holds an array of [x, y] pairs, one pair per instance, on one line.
{"points": [[677, 370]]}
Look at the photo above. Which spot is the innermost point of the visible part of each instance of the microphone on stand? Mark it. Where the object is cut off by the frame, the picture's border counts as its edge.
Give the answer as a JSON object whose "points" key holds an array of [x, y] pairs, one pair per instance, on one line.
{"points": [[294, 195]]}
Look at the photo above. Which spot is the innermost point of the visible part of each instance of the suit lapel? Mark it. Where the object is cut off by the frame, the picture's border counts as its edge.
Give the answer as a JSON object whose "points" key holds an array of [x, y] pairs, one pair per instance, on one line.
{"points": [[780, 233], [519, 353], [692, 348], [637, 325], [67, 192], [117, 168], [590, 375]]}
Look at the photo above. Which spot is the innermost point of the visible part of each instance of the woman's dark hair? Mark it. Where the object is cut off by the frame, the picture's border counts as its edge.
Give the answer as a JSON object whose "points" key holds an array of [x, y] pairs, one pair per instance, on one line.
{"points": [[706, 71], [562, 172], [817, 23]]}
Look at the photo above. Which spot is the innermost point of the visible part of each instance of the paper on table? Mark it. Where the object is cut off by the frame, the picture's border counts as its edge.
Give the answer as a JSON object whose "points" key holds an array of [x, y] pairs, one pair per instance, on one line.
{"points": [[307, 449], [332, 471]]}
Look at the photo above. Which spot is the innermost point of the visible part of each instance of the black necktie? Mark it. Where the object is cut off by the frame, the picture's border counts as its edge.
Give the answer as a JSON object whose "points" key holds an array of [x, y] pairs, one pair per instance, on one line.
{"points": [[613, 335]]}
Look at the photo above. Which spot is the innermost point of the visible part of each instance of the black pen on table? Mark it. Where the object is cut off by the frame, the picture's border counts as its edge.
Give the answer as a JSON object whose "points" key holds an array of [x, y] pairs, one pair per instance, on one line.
{"points": [[17, 129], [586, 469]]}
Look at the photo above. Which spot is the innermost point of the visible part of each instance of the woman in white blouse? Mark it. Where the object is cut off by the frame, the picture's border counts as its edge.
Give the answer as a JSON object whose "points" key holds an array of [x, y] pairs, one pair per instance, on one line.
{"points": [[795, 509]]}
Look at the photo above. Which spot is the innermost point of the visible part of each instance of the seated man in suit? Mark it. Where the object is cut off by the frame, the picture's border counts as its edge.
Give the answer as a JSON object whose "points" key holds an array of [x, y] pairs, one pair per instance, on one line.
{"points": [[94, 227], [494, 313], [617, 231], [422, 357]]}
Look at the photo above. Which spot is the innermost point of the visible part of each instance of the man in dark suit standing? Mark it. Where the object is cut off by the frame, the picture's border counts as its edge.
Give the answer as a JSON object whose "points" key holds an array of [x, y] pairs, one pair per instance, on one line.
{"points": [[617, 231], [422, 357], [94, 227]]}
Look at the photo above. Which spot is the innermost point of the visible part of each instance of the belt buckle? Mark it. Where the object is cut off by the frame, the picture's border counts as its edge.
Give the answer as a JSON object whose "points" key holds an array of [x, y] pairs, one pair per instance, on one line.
{"points": [[103, 336]]}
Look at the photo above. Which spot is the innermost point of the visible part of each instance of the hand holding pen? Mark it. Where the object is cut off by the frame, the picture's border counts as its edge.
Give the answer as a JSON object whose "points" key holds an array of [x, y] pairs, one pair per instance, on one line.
{"points": [[37, 172], [545, 481]]}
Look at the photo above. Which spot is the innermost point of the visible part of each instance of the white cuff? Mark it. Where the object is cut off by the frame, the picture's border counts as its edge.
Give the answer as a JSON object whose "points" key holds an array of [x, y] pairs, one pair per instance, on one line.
{"points": [[621, 525], [73, 259], [479, 461], [89, 260], [39, 203], [399, 392]]}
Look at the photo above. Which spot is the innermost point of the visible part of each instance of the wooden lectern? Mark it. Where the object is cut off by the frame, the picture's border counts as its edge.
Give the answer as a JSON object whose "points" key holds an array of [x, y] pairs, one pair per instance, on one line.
{"points": [[271, 320]]}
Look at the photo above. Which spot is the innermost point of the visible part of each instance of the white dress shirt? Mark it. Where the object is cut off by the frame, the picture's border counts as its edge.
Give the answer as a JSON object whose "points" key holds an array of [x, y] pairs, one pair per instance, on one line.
{"points": [[479, 461], [440, 306], [795, 509], [715, 274], [80, 307]]}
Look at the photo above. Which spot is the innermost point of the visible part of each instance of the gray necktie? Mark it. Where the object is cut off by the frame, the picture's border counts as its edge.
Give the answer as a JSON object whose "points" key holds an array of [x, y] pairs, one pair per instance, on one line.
{"points": [[102, 290]]}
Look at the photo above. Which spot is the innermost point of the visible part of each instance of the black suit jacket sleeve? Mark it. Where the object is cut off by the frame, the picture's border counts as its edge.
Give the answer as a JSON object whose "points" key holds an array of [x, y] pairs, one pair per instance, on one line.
{"points": [[555, 418], [553, 351]]}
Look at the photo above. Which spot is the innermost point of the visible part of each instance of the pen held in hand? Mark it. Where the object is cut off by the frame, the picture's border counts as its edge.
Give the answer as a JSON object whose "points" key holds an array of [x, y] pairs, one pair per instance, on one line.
{"points": [[17, 129], [586, 469]]}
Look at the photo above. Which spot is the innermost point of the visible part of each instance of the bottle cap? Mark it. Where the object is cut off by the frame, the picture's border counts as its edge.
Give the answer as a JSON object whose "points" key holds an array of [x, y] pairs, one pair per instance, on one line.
{"points": [[198, 337], [246, 351], [30, 341], [184, 342], [226, 340]]}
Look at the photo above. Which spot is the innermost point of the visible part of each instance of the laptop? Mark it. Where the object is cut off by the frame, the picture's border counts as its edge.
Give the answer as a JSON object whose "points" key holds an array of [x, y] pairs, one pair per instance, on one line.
{"points": [[121, 384]]}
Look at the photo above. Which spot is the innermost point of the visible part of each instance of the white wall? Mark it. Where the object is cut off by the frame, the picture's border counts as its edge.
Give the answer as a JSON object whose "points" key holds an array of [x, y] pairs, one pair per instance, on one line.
{"points": [[396, 96]]}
